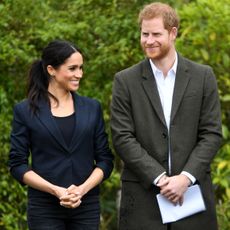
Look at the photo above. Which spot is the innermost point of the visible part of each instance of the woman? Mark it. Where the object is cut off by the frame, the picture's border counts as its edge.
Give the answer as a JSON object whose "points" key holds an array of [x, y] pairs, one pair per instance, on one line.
{"points": [[65, 134]]}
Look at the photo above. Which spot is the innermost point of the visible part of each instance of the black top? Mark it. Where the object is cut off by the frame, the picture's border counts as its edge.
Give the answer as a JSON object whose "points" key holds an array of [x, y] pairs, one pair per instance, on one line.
{"points": [[66, 125]]}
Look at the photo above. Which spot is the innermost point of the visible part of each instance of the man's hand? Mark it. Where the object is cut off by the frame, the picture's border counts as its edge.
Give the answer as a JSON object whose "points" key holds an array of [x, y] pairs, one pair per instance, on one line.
{"points": [[173, 188]]}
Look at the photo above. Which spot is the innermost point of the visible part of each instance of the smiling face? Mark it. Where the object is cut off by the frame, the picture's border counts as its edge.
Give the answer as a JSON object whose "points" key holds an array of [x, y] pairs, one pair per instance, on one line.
{"points": [[156, 41], [67, 76]]}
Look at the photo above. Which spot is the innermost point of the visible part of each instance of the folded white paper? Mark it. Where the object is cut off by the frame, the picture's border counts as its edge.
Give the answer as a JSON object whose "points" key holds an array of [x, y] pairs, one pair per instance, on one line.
{"points": [[193, 203]]}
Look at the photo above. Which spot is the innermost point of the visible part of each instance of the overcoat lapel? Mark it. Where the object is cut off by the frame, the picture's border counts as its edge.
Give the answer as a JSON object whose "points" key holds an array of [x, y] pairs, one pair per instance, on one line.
{"points": [[46, 118], [181, 82], [151, 90]]}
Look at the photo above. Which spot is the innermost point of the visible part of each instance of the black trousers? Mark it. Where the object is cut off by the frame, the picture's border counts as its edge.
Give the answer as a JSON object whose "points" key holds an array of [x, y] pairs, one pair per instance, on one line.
{"points": [[49, 215]]}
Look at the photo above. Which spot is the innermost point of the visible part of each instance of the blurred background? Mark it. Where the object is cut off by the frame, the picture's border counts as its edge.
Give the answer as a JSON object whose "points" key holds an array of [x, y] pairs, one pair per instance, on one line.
{"points": [[108, 34]]}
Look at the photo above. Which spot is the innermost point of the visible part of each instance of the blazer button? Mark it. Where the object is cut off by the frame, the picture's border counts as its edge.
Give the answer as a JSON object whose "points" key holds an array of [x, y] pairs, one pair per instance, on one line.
{"points": [[164, 135]]}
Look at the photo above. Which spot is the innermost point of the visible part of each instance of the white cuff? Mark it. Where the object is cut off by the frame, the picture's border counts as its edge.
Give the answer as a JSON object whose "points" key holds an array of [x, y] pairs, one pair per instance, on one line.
{"points": [[158, 178], [190, 176]]}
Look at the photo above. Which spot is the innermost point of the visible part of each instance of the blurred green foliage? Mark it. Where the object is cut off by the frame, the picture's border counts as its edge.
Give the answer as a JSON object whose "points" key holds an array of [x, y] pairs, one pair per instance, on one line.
{"points": [[108, 34]]}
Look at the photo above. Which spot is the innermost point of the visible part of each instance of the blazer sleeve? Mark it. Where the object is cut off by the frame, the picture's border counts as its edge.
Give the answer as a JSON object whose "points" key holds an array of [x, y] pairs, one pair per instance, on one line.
{"points": [[135, 157], [209, 129], [103, 155], [19, 149]]}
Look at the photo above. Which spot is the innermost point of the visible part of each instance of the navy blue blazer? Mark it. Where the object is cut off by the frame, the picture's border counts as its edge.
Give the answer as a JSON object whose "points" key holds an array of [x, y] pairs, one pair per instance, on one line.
{"points": [[52, 159]]}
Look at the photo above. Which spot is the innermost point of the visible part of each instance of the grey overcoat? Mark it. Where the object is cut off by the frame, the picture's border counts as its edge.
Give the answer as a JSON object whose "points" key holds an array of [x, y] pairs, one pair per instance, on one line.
{"points": [[141, 139]]}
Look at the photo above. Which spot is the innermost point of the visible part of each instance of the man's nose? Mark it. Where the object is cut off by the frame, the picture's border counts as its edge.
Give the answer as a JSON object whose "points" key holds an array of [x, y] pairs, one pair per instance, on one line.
{"points": [[150, 39]]}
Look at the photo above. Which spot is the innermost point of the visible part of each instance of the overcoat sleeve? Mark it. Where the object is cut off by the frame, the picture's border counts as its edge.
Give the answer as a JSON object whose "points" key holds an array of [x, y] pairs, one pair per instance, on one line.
{"points": [[126, 145], [209, 129]]}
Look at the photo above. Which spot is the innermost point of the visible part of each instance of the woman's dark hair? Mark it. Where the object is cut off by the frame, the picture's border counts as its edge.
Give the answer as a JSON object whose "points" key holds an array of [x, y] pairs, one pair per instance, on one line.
{"points": [[54, 54]]}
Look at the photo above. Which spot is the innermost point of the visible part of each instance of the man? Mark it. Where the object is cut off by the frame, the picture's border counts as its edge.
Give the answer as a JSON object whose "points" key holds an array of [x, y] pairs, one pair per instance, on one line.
{"points": [[166, 127]]}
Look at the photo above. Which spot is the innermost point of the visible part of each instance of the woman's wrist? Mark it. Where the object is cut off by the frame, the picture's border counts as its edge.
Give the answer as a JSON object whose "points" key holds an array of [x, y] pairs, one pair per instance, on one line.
{"points": [[54, 190]]}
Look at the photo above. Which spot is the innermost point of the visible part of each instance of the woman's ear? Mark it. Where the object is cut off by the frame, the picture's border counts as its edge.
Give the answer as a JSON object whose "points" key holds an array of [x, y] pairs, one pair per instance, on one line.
{"points": [[50, 70]]}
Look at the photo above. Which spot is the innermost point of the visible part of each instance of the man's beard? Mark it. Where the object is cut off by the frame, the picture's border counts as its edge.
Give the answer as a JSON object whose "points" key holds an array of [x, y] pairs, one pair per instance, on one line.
{"points": [[159, 54]]}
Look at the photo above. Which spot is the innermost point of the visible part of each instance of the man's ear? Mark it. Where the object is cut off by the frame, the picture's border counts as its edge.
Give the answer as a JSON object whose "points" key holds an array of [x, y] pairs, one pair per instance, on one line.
{"points": [[173, 32]]}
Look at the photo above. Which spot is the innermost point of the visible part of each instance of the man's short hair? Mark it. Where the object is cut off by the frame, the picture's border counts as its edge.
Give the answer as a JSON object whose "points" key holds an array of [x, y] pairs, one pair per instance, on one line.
{"points": [[160, 10]]}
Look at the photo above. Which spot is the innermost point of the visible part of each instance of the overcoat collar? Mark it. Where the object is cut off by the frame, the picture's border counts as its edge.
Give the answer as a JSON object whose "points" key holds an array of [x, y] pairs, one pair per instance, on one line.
{"points": [[150, 87], [81, 118]]}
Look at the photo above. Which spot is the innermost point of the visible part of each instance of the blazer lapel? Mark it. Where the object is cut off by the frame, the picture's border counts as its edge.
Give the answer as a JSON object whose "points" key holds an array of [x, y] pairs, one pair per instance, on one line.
{"points": [[81, 121], [46, 118], [150, 87], [181, 82]]}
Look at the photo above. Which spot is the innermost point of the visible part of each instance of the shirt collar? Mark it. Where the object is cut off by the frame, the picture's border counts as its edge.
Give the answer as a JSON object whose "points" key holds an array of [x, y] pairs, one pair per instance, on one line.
{"points": [[173, 69]]}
